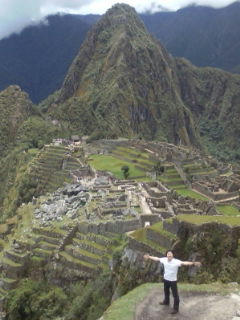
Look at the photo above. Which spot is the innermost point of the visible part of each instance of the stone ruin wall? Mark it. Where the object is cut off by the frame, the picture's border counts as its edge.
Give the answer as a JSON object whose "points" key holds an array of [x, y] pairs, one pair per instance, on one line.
{"points": [[216, 197], [119, 227]]}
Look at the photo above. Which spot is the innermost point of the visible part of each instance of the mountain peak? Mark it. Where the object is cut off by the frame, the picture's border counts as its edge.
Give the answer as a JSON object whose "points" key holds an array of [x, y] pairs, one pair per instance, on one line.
{"points": [[122, 83], [116, 30]]}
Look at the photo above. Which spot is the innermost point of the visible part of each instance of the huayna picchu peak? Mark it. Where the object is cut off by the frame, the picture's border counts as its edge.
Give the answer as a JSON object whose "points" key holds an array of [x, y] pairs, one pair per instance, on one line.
{"points": [[123, 83]]}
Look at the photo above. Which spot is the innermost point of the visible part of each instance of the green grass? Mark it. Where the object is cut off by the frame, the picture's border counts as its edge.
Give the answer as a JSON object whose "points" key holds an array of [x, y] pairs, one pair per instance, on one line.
{"points": [[170, 179], [3, 228], [134, 152], [158, 227], [197, 219], [69, 258], [124, 307], [177, 186], [131, 156], [190, 193], [10, 262], [114, 165], [228, 210], [33, 151], [140, 235]]}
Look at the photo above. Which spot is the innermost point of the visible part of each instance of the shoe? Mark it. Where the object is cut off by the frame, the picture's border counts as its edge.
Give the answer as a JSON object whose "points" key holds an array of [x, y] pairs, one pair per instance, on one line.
{"points": [[174, 312], [163, 303]]}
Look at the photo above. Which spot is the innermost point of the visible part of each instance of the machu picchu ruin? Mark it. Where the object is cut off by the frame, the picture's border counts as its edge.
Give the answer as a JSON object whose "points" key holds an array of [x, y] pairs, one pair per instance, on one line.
{"points": [[81, 211], [130, 165]]}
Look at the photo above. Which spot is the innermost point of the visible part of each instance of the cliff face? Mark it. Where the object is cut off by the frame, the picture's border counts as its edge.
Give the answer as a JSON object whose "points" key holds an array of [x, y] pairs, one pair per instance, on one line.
{"points": [[123, 83], [15, 107]]}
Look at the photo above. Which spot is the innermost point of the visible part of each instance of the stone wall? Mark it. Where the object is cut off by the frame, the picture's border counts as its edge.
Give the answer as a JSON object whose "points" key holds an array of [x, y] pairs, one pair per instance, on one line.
{"points": [[152, 218], [159, 238], [216, 197], [142, 247], [148, 187], [110, 226], [172, 226]]}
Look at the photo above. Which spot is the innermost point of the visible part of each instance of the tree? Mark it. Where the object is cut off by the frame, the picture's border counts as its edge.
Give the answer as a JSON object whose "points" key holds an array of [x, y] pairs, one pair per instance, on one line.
{"points": [[158, 168], [125, 170]]}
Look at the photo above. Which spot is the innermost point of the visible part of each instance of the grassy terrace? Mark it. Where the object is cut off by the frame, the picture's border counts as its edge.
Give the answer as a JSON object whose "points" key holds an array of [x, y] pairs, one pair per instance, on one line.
{"points": [[133, 152], [228, 210], [140, 235], [124, 307], [77, 261], [195, 219], [134, 156], [114, 165], [158, 227], [190, 193], [3, 228]]}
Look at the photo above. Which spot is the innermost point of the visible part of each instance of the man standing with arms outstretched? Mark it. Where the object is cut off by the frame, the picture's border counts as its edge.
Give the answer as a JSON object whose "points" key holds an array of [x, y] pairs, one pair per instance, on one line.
{"points": [[171, 266]]}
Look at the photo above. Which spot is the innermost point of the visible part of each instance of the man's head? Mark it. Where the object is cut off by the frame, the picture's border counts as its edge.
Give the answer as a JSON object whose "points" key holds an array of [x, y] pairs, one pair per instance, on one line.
{"points": [[169, 255]]}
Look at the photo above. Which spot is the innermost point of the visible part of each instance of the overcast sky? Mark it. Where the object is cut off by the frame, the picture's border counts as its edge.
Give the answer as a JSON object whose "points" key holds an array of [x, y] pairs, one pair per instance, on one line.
{"points": [[17, 14]]}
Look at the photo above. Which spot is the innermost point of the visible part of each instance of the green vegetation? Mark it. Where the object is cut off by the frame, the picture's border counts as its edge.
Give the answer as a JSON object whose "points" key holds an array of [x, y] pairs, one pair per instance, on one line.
{"points": [[140, 235], [190, 193], [197, 219], [133, 152], [134, 155], [125, 171], [124, 308], [113, 165], [35, 301], [158, 227], [228, 210], [87, 302]]}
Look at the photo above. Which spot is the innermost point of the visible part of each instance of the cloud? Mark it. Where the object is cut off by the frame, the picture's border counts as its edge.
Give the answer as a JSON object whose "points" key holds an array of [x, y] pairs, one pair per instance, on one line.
{"points": [[17, 14]]}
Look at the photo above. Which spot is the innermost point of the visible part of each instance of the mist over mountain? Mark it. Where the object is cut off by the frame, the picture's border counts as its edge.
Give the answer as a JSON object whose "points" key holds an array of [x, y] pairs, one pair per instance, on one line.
{"points": [[204, 35], [38, 58]]}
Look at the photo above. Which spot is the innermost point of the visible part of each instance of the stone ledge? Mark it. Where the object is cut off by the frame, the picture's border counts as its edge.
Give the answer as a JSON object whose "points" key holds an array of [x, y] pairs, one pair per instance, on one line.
{"points": [[89, 246], [83, 255], [76, 264], [15, 257], [159, 238]]}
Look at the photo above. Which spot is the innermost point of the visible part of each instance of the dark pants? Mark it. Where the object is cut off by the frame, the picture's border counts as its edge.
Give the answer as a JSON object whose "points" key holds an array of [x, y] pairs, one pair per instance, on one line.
{"points": [[173, 286]]}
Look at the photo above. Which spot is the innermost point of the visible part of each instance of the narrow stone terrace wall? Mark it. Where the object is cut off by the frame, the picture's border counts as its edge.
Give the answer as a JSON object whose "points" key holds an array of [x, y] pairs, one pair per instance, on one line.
{"points": [[110, 226]]}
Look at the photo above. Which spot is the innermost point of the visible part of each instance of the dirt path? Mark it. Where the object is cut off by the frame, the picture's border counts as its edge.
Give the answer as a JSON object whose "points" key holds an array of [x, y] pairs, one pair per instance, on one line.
{"points": [[193, 306]]}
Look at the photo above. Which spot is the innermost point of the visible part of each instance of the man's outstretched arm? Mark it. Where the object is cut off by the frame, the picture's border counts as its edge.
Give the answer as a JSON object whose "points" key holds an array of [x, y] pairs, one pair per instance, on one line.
{"points": [[191, 263], [147, 256]]}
